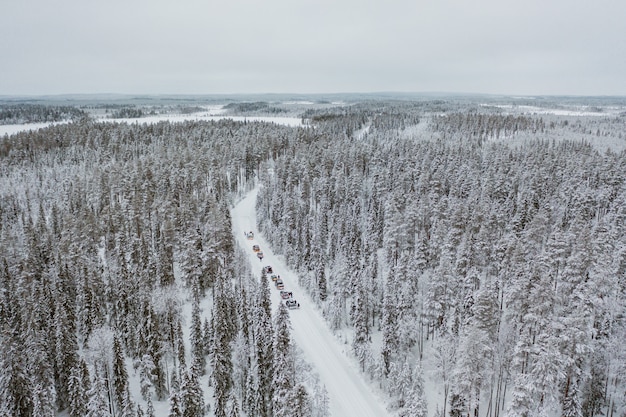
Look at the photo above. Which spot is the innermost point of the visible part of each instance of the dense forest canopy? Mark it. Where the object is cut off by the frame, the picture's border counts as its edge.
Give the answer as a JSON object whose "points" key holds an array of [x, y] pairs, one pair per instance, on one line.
{"points": [[465, 250]]}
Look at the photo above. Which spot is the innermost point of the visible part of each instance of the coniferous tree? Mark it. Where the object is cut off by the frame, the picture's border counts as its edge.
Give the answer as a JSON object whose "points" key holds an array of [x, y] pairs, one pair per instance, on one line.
{"points": [[233, 407], [302, 405], [191, 395], [98, 405], [416, 399], [120, 376], [221, 351], [284, 367], [264, 332], [15, 396], [150, 408], [78, 387], [389, 323], [175, 409], [321, 283], [360, 344], [198, 360]]}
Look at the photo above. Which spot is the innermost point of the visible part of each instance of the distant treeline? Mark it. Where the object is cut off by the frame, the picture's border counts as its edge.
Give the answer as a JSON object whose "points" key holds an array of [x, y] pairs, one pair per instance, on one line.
{"points": [[258, 106], [37, 113]]}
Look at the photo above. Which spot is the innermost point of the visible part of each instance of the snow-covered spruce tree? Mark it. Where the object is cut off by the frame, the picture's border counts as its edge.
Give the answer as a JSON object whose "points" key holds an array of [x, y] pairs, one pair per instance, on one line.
{"points": [[283, 381], [146, 368], [120, 377], [15, 387], [389, 323], [302, 405], [221, 360], [415, 405], [233, 407], [175, 404], [150, 346], [180, 346], [198, 359], [264, 336], [78, 386], [361, 342], [66, 341], [322, 285], [191, 395], [98, 405]]}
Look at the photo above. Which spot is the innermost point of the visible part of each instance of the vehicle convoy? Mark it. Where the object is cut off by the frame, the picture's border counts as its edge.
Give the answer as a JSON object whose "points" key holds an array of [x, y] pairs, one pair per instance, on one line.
{"points": [[274, 277], [285, 295], [268, 269], [250, 235], [259, 255], [256, 248], [292, 304], [279, 284]]}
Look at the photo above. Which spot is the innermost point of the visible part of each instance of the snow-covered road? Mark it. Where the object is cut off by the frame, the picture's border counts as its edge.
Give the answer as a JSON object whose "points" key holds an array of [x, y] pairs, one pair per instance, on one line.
{"points": [[348, 393]]}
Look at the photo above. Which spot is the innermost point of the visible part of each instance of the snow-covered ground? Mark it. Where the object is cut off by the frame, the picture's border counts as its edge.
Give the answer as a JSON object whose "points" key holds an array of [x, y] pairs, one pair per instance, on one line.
{"points": [[348, 392], [12, 129]]}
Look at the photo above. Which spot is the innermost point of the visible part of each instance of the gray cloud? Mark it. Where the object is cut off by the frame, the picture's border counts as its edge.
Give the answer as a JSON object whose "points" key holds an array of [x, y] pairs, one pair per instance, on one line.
{"points": [[193, 46]]}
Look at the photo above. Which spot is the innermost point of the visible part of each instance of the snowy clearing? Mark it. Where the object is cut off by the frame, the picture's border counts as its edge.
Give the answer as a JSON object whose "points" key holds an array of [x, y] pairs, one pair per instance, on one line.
{"points": [[349, 394], [13, 129]]}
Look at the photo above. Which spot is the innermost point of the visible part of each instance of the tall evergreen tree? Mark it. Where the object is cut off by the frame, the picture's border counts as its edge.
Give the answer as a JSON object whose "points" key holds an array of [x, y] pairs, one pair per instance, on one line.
{"points": [[120, 376], [78, 387], [198, 360], [264, 336], [191, 395], [284, 365]]}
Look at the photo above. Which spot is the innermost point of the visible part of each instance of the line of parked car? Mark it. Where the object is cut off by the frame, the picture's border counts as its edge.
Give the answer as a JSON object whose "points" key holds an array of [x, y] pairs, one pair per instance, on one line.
{"points": [[287, 296]]}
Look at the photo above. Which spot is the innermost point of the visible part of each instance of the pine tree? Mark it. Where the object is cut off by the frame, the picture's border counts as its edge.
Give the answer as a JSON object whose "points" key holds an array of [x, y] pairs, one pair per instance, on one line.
{"points": [[571, 403]]}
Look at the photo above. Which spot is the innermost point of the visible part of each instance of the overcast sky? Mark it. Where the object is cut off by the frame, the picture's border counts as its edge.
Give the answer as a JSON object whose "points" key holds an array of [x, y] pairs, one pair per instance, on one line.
{"points": [[528, 47]]}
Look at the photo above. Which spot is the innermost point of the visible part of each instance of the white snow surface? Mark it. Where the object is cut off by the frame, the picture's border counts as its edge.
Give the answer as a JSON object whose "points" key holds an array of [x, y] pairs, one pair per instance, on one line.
{"points": [[12, 129], [348, 392]]}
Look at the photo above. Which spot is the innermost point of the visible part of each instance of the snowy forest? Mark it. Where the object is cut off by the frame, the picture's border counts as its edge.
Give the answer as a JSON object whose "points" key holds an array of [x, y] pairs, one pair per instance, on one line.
{"points": [[470, 257]]}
